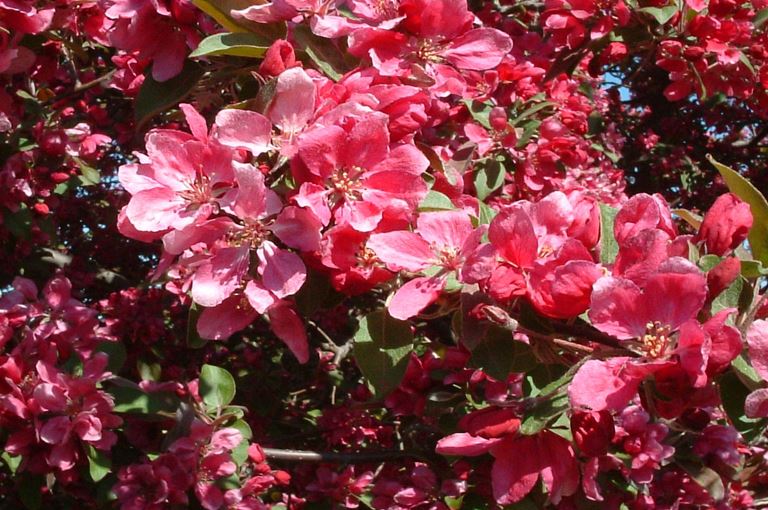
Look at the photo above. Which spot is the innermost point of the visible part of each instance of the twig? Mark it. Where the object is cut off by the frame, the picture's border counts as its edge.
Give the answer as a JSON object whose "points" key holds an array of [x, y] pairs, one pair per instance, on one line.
{"points": [[346, 458]]}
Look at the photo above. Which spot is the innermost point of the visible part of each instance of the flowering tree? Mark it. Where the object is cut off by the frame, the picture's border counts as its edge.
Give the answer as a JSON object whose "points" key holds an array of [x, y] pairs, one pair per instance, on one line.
{"points": [[386, 254]]}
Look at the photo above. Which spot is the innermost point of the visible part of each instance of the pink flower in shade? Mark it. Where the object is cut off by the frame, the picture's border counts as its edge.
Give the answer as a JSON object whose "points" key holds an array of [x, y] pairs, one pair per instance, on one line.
{"points": [[354, 175], [442, 240], [725, 225], [134, 25], [520, 460], [354, 267], [154, 485], [69, 412], [500, 136], [237, 312], [642, 440], [439, 39]]}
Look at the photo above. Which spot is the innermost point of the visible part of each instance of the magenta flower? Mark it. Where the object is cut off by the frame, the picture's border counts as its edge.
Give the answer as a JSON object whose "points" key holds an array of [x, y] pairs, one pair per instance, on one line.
{"points": [[354, 174], [439, 39], [443, 240]]}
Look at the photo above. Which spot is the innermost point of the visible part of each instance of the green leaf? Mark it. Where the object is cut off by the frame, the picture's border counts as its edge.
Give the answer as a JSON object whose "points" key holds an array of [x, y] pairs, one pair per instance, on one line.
{"points": [[760, 18], [528, 112], [30, 491], [488, 178], [194, 340], [707, 478], [486, 214], [117, 354], [149, 371], [746, 374], [609, 248], [480, 112], [316, 294], [499, 354], [661, 14], [321, 52], [382, 348], [135, 401], [99, 464], [729, 298], [741, 187], [217, 386], [89, 176], [220, 11], [19, 222], [11, 461], [708, 262], [752, 269], [540, 417], [436, 201], [155, 97], [238, 44], [733, 394]]}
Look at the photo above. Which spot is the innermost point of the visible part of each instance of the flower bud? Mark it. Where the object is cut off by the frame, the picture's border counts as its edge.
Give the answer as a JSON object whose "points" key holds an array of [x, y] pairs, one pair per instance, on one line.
{"points": [[725, 225], [593, 431], [491, 422], [722, 275]]}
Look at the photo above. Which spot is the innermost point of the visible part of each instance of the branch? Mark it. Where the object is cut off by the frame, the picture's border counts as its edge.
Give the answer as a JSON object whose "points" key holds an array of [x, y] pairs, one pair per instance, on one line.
{"points": [[346, 458]]}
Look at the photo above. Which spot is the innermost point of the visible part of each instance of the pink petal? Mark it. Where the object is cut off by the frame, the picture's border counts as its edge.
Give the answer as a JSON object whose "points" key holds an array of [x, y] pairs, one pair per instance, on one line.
{"points": [[478, 49], [757, 340], [259, 297], [244, 128], [196, 122], [604, 384], [251, 201], [464, 444], [512, 234], [404, 158], [218, 277], [298, 228], [287, 325], [294, 102], [155, 210], [367, 143], [50, 397], [693, 351], [756, 405], [515, 470], [402, 250], [415, 296], [675, 293], [314, 198], [282, 272], [231, 316], [445, 229], [321, 149], [55, 430], [616, 308]]}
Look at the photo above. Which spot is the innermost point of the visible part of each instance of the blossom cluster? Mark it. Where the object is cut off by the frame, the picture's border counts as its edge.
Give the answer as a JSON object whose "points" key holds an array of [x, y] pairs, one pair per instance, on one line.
{"points": [[389, 254]]}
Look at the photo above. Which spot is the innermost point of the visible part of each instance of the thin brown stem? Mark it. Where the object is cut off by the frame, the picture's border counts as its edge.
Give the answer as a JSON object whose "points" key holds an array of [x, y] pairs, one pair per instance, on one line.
{"points": [[342, 457]]}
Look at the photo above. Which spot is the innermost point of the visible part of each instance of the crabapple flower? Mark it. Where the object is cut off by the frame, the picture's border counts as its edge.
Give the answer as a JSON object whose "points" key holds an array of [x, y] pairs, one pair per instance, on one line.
{"points": [[355, 176], [439, 39], [443, 240]]}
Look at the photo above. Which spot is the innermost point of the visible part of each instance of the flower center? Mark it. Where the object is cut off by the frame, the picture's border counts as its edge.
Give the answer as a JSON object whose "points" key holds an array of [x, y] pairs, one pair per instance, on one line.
{"points": [[428, 50], [656, 339], [345, 183]]}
